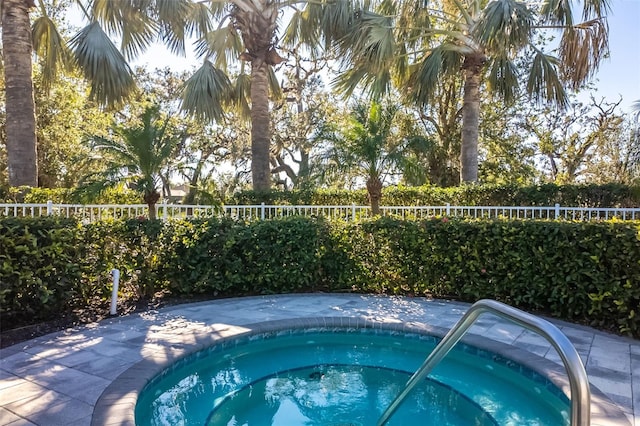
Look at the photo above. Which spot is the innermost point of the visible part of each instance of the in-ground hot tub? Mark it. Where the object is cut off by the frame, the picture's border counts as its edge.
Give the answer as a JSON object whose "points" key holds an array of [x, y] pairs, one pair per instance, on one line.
{"points": [[335, 375], [118, 402]]}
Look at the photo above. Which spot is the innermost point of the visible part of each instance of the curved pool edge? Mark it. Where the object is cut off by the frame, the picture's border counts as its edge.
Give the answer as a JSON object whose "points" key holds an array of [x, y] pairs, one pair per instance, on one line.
{"points": [[116, 405]]}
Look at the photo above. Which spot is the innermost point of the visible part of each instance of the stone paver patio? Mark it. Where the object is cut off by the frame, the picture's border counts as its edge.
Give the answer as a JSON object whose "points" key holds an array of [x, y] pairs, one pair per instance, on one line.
{"points": [[90, 375]]}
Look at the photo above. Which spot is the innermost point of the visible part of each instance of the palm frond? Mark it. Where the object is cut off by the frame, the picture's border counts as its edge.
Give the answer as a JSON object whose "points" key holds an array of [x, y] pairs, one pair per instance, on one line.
{"points": [[274, 84], [413, 22], [401, 65], [103, 65], [371, 41], [174, 17], [503, 78], [52, 48], [115, 149], [199, 20], [95, 184], [206, 92], [111, 14], [380, 40], [543, 81], [377, 84], [445, 59], [136, 38], [366, 141], [368, 53], [138, 153], [218, 9], [594, 9], [582, 47], [504, 26], [223, 44], [335, 19], [242, 94], [298, 30], [130, 20], [557, 12]]}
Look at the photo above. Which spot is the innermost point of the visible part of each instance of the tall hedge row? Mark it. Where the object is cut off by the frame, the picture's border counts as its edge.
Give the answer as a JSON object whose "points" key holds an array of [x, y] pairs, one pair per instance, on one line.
{"points": [[609, 195], [587, 272]]}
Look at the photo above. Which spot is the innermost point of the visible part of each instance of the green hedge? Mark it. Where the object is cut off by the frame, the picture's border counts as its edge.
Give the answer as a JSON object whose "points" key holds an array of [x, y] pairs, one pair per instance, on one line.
{"points": [[40, 271], [28, 194], [587, 272], [609, 195], [227, 257]]}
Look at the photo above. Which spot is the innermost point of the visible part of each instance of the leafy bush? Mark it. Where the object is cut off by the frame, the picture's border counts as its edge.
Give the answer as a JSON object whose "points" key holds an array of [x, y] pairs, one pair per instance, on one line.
{"points": [[221, 256], [587, 271], [609, 195], [28, 194], [306, 197], [39, 270]]}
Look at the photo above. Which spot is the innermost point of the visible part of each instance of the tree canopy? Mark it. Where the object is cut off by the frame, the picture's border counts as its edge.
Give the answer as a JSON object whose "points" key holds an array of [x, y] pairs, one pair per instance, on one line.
{"points": [[415, 43]]}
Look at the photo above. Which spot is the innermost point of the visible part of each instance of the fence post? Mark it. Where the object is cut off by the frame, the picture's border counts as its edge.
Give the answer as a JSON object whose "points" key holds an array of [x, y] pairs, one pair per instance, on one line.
{"points": [[557, 210], [164, 212], [353, 212], [49, 207], [262, 211], [448, 209]]}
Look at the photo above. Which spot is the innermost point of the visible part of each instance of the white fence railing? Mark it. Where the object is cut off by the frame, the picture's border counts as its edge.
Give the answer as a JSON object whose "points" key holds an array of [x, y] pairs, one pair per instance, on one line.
{"points": [[95, 212]]}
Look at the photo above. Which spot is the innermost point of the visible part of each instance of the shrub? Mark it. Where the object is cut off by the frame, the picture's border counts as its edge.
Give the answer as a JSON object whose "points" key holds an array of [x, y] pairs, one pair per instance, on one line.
{"points": [[28, 194], [609, 195], [580, 271], [221, 256], [39, 270], [587, 272]]}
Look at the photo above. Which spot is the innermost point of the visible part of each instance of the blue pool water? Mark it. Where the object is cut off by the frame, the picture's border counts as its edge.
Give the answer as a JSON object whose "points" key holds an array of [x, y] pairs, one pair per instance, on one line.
{"points": [[336, 377]]}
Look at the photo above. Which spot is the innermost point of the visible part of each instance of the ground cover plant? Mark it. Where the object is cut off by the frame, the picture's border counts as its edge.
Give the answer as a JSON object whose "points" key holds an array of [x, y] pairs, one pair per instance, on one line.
{"points": [[586, 272]]}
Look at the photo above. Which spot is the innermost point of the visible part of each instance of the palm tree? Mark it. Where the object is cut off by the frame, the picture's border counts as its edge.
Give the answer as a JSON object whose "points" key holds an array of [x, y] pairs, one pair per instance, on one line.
{"points": [[369, 147], [413, 44], [225, 31], [251, 34], [111, 77], [20, 107], [137, 156]]}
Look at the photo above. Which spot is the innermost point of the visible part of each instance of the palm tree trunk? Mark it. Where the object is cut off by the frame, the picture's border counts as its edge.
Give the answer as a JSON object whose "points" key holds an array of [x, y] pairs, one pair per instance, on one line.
{"points": [[374, 188], [472, 68], [152, 199], [260, 132], [20, 107]]}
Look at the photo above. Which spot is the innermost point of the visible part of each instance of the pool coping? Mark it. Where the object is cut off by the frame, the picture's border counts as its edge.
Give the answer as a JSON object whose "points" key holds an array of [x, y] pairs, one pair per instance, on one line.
{"points": [[116, 405]]}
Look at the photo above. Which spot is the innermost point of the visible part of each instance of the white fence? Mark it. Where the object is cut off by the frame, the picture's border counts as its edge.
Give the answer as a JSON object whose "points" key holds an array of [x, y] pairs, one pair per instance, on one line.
{"points": [[95, 212]]}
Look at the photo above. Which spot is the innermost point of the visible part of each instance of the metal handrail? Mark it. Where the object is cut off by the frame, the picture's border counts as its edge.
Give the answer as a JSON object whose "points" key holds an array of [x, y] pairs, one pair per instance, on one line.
{"points": [[578, 381]]}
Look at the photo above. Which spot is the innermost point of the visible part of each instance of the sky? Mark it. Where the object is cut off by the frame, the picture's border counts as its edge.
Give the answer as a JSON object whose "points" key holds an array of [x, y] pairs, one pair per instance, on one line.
{"points": [[618, 76]]}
